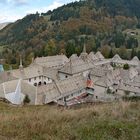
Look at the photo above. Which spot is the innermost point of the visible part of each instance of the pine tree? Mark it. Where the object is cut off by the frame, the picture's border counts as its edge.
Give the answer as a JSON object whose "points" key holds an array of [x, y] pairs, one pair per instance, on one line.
{"points": [[26, 100], [111, 54], [133, 53]]}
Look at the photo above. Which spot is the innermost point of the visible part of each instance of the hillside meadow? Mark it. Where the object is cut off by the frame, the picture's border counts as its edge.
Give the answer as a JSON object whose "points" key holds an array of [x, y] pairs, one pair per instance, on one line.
{"points": [[112, 121]]}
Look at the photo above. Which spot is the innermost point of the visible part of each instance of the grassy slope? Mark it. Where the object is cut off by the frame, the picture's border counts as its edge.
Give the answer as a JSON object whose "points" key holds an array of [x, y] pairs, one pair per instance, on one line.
{"points": [[117, 121]]}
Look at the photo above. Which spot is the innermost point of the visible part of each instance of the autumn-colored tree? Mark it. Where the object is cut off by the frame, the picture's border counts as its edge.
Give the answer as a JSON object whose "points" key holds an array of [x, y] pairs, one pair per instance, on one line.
{"points": [[50, 48], [105, 50]]}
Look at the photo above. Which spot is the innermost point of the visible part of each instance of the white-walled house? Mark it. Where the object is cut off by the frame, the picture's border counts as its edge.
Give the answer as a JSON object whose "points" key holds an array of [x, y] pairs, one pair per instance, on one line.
{"points": [[34, 75]]}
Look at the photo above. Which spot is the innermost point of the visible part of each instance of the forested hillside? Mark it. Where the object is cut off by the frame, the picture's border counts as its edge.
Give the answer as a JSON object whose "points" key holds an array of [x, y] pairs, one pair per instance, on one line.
{"points": [[102, 24]]}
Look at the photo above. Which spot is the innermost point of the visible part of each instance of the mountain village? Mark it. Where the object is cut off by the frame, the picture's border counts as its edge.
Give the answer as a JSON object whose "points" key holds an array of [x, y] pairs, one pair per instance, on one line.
{"points": [[69, 81]]}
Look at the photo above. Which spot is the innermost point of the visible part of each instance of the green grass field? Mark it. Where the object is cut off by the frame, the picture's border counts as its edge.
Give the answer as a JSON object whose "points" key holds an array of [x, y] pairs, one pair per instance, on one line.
{"points": [[115, 121]]}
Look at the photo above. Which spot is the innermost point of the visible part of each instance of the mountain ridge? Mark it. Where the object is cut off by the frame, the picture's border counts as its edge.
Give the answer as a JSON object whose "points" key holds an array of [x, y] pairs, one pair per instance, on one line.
{"points": [[3, 25]]}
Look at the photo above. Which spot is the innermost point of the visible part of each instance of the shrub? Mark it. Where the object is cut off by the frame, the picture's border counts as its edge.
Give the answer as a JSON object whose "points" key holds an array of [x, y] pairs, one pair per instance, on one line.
{"points": [[126, 67], [26, 100], [109, 91]]}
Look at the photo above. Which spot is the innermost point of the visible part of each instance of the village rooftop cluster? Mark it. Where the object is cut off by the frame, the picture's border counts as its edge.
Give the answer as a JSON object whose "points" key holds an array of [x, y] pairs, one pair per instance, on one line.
{"points": [[68, 81]]}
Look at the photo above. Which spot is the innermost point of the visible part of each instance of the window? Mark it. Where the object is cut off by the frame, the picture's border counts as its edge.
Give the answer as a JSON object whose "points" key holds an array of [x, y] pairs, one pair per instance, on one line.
{"points": [[35, 84], [39, 77], [39, 83], [35, 78], [66, 76], [30, 80]]}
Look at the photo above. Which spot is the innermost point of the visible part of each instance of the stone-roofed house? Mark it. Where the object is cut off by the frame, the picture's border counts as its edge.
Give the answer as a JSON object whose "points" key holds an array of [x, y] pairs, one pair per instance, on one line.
{"points": [[128, 75], [65, 90], [75, 66], [120, 62], [69, 81], [35, 74], [116, 58], [99, 56], [15, 91], [6, 76], [51, 61], [136, 61], [92, 57], [130, 81]]}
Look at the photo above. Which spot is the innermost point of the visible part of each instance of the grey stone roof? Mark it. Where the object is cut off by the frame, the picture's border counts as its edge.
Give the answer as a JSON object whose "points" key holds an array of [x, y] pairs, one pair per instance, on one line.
{"points": [[137, 79], [128, 75], [101, 71], [50, 73], [6, 76], [98, 71], [116, 58], [75, 65], [134, 62], [26, 89], [92, 56], [106, 78], [135, 59], [59, 89], [51, 61], [103, 62], [34, 71], [29, 72], [129, 88], [29, 90], [99, 55]]}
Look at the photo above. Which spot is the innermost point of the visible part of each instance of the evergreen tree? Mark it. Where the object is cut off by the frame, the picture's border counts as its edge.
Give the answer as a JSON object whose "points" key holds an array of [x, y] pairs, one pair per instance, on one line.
{"points": [[133, 53], [26, 99], [111, 54], [70, 49], [126, 67]]}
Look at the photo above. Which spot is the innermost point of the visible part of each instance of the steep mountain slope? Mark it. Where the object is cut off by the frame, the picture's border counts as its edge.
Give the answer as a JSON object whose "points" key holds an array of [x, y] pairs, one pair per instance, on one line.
{"points": [[63, 30]]}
